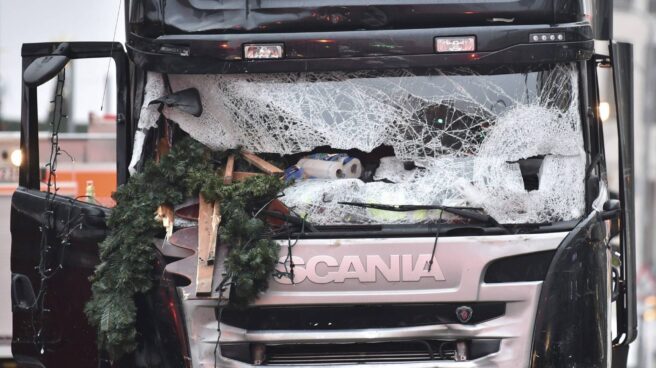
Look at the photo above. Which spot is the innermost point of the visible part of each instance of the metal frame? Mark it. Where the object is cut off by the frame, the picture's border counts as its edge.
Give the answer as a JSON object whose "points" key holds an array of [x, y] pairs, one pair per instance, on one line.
{"points": [[627, 321], [29, 171], [351, 50]]}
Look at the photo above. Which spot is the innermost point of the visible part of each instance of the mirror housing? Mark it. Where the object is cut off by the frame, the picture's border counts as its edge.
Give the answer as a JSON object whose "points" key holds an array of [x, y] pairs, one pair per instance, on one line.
{"points": [[187, 100], [44, 68], [612, 209], [612, 212]]}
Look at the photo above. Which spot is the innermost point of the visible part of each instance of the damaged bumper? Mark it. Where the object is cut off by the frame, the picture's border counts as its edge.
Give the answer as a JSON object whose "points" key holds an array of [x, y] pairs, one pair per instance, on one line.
{"points": [[405, 316]]}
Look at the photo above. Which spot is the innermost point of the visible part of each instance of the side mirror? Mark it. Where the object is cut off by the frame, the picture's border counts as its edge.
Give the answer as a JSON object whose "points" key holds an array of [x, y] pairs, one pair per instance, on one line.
{"points": [[187, 100], [44, 68]]}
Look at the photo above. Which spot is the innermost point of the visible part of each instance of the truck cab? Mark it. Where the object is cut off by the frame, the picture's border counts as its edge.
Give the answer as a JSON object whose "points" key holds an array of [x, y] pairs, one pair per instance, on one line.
{"points": [[445, 200]]}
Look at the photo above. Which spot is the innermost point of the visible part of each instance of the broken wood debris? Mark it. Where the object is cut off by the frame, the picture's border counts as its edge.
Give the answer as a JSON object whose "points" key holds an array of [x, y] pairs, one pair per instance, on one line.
{"points": [[216, 220], [166, 216], [206, 233], [243, 175], [230, 168], [209, 219], [260, 163]]}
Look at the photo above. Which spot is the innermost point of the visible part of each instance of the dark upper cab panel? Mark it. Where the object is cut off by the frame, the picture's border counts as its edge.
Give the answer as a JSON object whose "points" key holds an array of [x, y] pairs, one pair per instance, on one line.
{"points": [[153, 18], [208, 36]]}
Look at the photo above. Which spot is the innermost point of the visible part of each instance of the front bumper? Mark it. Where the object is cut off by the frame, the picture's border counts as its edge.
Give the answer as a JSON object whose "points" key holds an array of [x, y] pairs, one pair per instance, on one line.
{"points": [[464, 262]]}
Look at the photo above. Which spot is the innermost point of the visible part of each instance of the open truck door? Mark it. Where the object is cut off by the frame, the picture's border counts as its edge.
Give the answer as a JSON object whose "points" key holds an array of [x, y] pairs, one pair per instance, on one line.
{"points": [[624, 274], [625, 281], [54, 237]]}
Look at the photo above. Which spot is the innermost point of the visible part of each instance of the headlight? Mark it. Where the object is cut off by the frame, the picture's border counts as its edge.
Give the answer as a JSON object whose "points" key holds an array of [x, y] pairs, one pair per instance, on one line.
{"points": [[16, 158]]}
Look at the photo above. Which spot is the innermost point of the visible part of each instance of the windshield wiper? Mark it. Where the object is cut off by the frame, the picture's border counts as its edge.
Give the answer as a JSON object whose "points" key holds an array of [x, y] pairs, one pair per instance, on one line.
{"points": [[466, 212], [294, 220]]}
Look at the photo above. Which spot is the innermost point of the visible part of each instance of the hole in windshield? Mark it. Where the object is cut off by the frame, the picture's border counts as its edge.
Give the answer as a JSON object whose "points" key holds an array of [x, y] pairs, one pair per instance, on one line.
{"points": [[401, 137]]}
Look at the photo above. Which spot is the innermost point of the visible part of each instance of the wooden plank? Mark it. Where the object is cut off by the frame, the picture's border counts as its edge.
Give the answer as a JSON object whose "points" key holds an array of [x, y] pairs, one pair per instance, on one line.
{"points": [[260, 163], [163, 148], [205, 268], [230, 167], [216, 220], [166, 215], [242, 175]]}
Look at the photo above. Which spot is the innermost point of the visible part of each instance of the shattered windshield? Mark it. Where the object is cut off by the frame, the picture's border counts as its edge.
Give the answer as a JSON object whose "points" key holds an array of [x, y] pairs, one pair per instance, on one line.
{"points": [[507, 142]]}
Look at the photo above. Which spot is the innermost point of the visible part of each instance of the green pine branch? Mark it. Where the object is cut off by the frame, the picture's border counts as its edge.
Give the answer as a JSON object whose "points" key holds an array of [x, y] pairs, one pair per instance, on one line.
{"points": [[127, 254]]}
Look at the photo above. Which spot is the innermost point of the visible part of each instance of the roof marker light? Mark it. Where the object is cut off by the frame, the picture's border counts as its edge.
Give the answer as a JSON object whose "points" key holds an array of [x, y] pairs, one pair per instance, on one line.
{"points": [[263, 51], [455, 44]]}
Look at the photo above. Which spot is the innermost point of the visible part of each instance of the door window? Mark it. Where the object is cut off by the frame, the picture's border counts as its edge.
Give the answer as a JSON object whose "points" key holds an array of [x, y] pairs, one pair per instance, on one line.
{"points": [[78, 106]]}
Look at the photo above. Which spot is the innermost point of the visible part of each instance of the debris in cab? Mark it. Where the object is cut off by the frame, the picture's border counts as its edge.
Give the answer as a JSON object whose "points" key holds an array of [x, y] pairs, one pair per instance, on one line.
{"points": [[325, 166]]}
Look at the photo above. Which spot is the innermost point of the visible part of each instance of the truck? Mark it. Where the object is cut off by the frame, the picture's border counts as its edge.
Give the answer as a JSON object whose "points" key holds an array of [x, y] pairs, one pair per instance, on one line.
{"points": [[444, 199]]}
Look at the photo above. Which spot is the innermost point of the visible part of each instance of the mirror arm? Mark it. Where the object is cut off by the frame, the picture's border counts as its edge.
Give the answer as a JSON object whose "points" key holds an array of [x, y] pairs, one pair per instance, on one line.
{"points": [[612, 210]]}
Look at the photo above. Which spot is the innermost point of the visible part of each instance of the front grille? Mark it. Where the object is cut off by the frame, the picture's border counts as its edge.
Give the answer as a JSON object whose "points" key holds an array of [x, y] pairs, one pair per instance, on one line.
{"points": [[342, 317], [356, 352], [360, 352]]}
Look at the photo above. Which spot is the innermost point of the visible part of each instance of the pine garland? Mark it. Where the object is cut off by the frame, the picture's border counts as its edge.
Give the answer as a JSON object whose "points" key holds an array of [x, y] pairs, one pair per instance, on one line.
{"points": [[127, 254]]}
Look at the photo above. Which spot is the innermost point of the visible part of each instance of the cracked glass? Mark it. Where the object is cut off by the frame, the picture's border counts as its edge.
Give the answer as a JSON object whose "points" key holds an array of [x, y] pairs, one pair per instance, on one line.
{"points": [[458, 137]]}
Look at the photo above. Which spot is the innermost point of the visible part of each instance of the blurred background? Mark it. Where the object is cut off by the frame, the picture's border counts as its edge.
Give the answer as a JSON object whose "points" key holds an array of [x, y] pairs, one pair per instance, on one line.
{"points": [[88, 165]]}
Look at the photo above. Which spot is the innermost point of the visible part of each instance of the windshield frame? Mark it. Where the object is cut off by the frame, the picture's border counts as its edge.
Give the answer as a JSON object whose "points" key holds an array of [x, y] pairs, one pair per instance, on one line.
{"points": [[499, 70]]}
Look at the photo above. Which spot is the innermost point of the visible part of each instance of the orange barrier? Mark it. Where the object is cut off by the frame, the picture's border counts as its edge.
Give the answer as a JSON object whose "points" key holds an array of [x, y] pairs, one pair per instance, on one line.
{"points": [[73, 183]]}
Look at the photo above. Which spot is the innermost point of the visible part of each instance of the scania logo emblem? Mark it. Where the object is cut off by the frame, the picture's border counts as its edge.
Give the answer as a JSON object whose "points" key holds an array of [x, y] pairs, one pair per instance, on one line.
{"points": [[464, 314], [325, 269]]}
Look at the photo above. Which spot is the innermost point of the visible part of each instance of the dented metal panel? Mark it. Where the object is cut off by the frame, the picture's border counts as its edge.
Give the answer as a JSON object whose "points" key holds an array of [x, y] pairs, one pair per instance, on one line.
{"points": [[462, 262], [572, 327], [208, 36]]}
